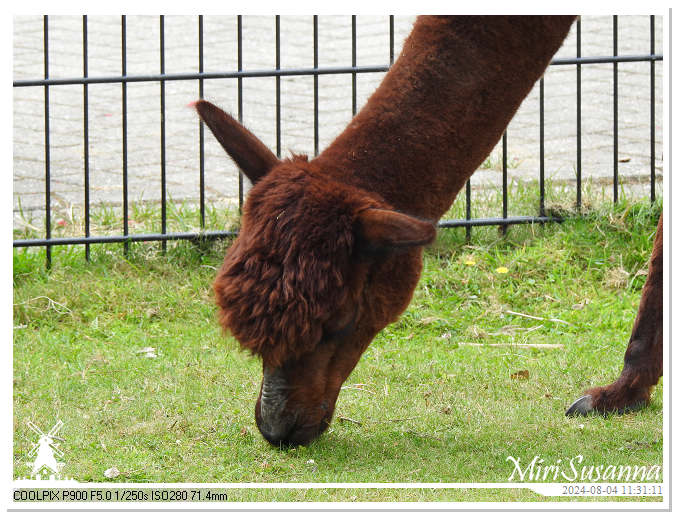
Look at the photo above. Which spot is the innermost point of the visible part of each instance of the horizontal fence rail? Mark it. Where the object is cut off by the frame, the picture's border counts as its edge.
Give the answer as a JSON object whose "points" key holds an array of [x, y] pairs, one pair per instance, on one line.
{"points": [[112, 239], [163, 77], [278, 73]]}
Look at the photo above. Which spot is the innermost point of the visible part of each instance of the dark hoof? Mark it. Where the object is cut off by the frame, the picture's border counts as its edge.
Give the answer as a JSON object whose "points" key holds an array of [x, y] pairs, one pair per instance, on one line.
{"points": [[581, 406]]}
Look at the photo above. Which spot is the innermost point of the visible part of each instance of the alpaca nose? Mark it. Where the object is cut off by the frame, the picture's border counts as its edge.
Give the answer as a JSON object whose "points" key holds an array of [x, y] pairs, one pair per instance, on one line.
{"points": [[272, 421], [275, 433], [282, 429], [282, 434], [279, 430], [283, 423]]}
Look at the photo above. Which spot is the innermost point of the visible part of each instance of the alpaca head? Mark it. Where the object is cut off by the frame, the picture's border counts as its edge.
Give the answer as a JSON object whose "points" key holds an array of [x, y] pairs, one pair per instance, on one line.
{"points": [[319, 267]]}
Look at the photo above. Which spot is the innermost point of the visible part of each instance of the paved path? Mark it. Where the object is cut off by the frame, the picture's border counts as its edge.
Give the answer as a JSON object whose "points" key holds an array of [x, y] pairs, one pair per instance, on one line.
{"points": [[181, 37]]}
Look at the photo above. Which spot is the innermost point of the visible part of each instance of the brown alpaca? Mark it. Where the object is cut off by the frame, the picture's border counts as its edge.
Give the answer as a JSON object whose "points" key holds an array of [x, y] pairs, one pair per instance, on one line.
{"points": [[330, 249]]}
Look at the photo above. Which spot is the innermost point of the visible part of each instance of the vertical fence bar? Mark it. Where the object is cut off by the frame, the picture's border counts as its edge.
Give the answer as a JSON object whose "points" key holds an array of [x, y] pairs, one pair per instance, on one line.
{"points": [[353, 64], [163, 201], [652, 110], [201, 128], [239, 22], [86, 139], [123, 54], [278, 87], [316, 133], [48, 217], [542, 147], [391, 39], [578, 166], [615, 110], [468, 184], [468, 209], [504, 180]]}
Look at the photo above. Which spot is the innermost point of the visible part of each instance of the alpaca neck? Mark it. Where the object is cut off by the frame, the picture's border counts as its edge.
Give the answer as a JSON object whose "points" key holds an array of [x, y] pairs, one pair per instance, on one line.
{"points": [[442, 107]]}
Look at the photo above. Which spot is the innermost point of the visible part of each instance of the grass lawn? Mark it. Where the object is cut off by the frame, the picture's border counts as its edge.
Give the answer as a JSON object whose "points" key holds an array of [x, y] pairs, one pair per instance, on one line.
{"points": [[126, 351]]}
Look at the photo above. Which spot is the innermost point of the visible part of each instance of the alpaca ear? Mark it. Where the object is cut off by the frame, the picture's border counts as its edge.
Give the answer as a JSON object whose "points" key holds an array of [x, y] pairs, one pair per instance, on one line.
{"points": [[250, 154], [384, 229]]}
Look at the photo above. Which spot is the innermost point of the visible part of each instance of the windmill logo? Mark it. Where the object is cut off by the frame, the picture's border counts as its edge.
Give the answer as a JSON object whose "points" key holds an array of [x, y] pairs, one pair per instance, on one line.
{"points": [[46, 451]]}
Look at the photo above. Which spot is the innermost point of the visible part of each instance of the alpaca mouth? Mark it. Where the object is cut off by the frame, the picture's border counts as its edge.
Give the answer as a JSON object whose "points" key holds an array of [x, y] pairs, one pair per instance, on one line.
{"points": [[289, 437], [274, 431], [280, 426]]}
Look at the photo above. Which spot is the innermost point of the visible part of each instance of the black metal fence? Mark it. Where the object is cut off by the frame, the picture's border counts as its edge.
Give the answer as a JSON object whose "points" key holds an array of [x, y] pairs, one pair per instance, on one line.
{"points": [[162, 77]]}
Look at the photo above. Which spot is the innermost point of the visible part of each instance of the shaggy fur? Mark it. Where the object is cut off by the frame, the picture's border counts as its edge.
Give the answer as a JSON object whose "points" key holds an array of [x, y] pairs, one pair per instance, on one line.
{"points": [[330, 249], [287, 273]]}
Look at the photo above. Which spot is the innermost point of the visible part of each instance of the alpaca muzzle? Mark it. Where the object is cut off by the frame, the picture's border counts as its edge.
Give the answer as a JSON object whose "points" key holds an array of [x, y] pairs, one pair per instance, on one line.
{"points": [[281, 424]]}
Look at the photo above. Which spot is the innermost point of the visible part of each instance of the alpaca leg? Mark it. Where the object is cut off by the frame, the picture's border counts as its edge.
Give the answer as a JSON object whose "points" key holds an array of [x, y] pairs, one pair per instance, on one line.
{"points": [[643, 359]]}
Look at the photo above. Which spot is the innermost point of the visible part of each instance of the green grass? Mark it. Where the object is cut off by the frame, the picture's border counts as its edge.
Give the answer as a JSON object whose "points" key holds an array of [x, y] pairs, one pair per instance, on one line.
{"points": [[422, 405]]}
